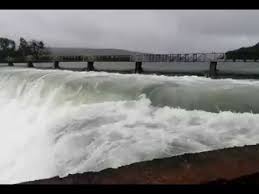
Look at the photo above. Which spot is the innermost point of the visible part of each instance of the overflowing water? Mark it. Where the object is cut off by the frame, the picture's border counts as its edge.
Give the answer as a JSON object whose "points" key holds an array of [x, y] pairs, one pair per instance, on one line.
{"points": [[57, 122]]}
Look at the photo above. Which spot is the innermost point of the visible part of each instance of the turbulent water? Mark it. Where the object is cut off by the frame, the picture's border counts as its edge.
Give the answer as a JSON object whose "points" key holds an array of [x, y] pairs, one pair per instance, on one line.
{"points": [[55, 122]]}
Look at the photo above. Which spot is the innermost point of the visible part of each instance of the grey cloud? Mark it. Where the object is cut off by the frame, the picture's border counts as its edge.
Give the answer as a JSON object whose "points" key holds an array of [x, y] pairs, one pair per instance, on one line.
{"points": [[227, 22], [162, 31]]}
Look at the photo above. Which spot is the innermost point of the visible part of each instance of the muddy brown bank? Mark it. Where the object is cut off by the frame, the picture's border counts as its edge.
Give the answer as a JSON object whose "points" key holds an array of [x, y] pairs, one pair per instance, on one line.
{"points": [[230, 165]]}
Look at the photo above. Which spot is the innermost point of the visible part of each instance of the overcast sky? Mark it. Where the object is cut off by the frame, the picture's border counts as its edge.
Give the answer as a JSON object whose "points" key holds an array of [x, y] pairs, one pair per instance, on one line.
{"points": [[159, 31]]}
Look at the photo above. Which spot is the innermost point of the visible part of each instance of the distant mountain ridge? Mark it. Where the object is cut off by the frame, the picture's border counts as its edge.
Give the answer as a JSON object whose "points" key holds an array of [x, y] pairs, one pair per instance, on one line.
{"points": [[251, 52], [55, 51]]}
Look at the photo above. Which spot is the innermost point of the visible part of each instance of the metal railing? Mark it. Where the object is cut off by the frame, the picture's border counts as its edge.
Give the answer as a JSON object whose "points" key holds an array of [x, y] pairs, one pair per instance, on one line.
{"points": [[186, 57]]}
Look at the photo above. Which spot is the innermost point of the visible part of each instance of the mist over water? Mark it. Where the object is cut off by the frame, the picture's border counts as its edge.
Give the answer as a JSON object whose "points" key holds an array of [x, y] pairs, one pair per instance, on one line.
{"points": [[55, 122]]}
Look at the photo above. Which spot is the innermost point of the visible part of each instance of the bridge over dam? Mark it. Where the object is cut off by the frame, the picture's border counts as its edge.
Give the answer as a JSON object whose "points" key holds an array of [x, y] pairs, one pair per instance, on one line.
{"points": [[214, 65]]}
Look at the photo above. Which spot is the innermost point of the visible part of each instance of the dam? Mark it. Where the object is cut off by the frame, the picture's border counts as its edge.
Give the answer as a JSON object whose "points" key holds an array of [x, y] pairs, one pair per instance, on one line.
{"points": [[73, 122], [214, 65]]}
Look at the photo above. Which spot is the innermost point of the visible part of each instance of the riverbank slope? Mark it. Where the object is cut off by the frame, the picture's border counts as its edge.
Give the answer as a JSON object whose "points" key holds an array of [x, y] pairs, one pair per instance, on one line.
{"points": [[218, 166]]}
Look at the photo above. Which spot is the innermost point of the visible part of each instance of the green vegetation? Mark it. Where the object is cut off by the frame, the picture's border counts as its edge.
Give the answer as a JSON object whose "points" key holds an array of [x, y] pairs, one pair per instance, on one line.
{"points": [[33, 49], [244, 53]]}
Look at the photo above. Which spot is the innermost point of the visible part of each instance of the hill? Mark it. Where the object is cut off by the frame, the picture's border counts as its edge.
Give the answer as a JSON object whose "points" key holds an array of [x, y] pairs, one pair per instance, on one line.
{"points": [[89, 51], [251, 52]]}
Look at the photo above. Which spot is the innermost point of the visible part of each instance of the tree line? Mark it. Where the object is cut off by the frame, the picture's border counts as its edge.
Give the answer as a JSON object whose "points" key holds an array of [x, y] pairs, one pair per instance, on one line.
{"points": [[32, 48]]}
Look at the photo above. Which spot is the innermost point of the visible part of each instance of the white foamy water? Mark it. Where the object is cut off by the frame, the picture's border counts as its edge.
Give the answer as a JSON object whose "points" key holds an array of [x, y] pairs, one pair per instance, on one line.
{"points": [[53, 123]]}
